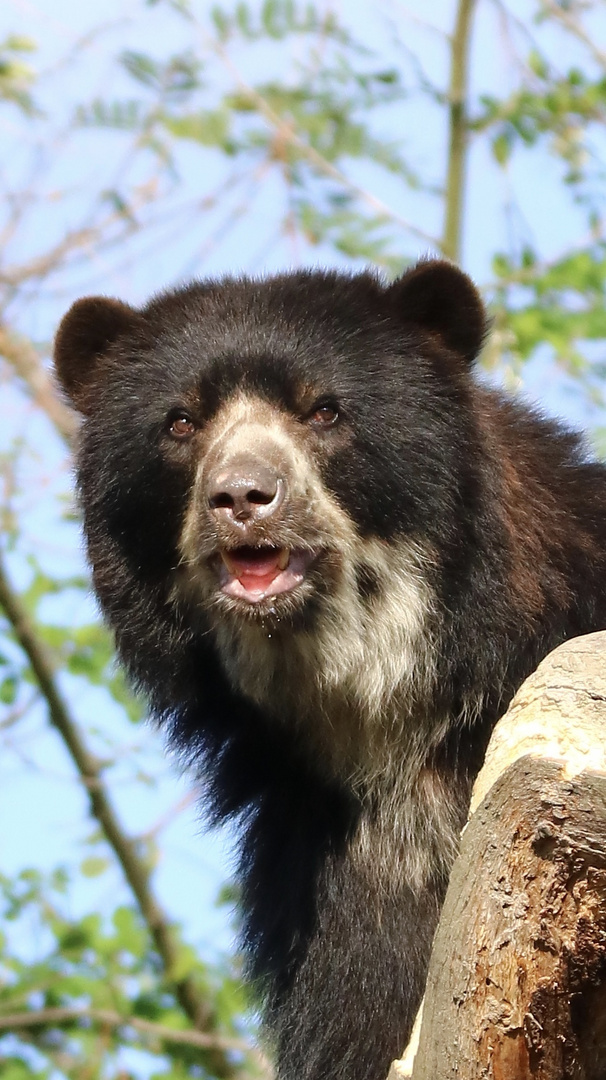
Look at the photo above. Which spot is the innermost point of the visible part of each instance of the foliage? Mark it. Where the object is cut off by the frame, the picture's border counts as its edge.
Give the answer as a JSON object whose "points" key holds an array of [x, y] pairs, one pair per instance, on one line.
{"points": [[199, 140], [16, 75], [93, 998]]}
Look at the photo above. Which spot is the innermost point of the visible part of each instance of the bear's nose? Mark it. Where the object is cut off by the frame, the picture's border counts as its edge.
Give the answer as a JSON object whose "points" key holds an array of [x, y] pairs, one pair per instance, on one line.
{"points": [[246, 489]]}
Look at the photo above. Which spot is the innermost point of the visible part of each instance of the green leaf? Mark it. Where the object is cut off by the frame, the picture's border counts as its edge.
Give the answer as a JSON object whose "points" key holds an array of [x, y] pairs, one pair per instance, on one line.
{"points": [[94, 866], [210, 128], [19, 43], [538, 64], [243, 19], [9, 688], [141, 67], [222, 23], [501, 147], [119, 115]]}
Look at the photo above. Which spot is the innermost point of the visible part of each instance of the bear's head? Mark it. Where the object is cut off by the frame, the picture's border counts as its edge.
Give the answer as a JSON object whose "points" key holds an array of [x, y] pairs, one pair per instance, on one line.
{"points": [[275, 456]]}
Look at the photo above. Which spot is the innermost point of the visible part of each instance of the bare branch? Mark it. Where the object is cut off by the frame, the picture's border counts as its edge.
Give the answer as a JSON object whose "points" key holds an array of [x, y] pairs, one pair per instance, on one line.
{"points": [[42, 264], [24, 358], [43, 1017], [167, 819], [562, 15]]}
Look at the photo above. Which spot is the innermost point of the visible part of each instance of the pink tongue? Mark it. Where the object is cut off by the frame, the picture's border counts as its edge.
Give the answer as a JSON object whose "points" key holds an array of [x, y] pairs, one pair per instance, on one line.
{"points": [[249, 574], [258, 572], [257, 565]]}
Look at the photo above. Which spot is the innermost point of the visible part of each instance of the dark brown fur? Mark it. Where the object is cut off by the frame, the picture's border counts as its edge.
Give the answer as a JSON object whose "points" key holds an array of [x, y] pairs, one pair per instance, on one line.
{"points": [[457, 537]]}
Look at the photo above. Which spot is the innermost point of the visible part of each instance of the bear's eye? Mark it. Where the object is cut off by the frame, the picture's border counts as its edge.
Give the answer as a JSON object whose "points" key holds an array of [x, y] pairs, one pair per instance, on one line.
{"points": [[181, 427], [324, 416]]}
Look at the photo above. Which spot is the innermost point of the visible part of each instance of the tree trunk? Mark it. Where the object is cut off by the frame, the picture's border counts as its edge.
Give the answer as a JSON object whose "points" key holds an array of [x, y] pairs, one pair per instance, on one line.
{"points": [[517, 981]]}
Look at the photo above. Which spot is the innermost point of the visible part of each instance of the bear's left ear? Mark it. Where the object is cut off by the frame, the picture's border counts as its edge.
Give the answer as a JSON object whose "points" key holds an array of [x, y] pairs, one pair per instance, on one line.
{"points": [[442, 300], [85, 335]]}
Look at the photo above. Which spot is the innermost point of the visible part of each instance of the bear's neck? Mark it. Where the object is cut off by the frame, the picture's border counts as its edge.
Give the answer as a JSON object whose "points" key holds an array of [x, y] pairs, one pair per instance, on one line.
{"points": [[361, 710]]}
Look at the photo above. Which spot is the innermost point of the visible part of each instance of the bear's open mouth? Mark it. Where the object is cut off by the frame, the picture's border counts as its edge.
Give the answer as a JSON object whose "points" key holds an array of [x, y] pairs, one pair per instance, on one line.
{"points": [[253, 573]]}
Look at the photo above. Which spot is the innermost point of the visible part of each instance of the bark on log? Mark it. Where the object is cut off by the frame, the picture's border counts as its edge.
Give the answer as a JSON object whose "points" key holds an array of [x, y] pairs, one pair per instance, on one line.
{"points": [[517, 982]]}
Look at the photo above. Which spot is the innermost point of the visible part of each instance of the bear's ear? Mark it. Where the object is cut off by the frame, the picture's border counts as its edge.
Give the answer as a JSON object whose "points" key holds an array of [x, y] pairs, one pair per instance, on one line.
{"points": [[441, 299], [85, 334]]}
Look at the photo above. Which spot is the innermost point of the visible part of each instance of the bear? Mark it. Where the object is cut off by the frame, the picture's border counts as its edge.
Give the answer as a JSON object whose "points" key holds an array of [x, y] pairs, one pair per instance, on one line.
{"points": [[330, 554]]}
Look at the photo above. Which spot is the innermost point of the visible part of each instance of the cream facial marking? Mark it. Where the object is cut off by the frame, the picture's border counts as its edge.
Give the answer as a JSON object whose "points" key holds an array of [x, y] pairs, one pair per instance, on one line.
{"points": [[254, 575], [236, 519]]}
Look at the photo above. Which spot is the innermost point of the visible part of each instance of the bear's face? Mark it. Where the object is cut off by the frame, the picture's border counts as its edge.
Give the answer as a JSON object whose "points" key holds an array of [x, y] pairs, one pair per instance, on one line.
{"points": [[274, 454], [261, 529]]}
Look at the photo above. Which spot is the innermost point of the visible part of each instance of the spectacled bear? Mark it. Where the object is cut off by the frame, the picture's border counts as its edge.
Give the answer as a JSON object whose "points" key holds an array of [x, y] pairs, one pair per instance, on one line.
{"points": [[330, 555]]}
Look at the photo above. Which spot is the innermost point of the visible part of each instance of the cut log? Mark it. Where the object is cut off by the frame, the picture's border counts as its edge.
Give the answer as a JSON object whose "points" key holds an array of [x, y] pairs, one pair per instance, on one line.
{"points": [[517, 981]]}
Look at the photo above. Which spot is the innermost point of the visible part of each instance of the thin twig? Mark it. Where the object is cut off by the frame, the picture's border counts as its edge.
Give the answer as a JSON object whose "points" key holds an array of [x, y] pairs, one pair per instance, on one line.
{"points": [[15, 715], [167, 819], [574, 27], [40, 266]]}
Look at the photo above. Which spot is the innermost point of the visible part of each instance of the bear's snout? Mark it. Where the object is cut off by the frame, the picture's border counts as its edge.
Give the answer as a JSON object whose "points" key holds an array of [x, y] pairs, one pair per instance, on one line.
{"points": [[247, 488]]}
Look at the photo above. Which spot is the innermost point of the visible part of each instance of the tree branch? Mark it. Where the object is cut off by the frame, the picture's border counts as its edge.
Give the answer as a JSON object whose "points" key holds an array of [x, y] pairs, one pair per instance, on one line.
{"points": [[61, 1016], [458, 131], [194, 1005], [562, 15], [42, 264], [24, 359]]}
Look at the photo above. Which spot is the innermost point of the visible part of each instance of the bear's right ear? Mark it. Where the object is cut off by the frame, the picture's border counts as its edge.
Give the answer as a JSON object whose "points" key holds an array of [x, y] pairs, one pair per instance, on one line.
{"points": [[442, 300], [85, 334]]}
